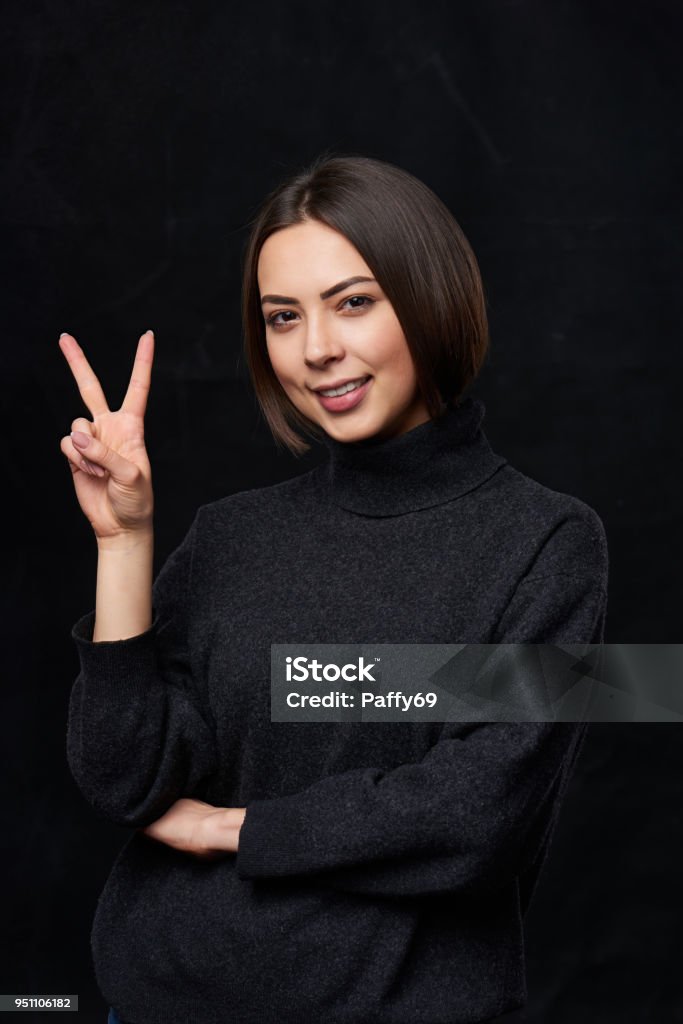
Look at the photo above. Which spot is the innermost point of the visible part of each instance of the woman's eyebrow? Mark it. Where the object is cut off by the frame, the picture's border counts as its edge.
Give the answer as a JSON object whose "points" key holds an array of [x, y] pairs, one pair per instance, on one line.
{"points": [[286, 300]]}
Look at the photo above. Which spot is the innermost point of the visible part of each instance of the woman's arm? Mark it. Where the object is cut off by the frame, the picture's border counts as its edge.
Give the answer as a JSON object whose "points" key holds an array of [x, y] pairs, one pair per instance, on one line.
{"points": [[473, 813], [139, 735]]}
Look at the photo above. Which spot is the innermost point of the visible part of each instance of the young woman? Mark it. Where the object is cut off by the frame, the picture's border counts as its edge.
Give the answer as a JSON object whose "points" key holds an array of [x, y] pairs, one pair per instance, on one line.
{"points": [[336, 872]]}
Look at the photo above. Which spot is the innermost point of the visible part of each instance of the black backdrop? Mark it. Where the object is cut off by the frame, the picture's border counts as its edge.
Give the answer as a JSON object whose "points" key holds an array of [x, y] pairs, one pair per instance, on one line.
{"points": [[138, 140]]}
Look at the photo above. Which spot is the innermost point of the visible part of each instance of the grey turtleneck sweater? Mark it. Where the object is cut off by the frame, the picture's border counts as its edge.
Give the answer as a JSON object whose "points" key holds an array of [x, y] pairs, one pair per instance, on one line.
{"points": [[384, 868]]}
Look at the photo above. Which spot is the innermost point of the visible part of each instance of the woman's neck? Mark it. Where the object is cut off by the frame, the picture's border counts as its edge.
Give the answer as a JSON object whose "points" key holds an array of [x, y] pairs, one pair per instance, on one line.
{"points": [[431, 463]]}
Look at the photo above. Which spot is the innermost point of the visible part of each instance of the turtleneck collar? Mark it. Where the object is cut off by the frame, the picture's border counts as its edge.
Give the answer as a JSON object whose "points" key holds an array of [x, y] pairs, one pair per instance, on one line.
{"points": [[433, 463]]}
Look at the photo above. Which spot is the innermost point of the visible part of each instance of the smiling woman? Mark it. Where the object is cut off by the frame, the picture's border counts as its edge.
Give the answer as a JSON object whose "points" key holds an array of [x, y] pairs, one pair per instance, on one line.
{"points": [[330, 871], [357, 352], [415, 330]]}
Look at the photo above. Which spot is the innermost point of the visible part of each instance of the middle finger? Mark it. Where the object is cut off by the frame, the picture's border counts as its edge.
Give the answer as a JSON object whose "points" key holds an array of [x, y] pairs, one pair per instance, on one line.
{"points": [[135, 399]]}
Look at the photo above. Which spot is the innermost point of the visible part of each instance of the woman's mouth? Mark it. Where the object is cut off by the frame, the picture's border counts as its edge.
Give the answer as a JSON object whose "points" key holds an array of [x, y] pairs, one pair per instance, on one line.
{"points": [[354, 392]]}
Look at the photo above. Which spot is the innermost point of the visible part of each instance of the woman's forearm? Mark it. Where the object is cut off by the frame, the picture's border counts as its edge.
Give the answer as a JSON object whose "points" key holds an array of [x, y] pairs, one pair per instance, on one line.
{"points": [[124, 586]]}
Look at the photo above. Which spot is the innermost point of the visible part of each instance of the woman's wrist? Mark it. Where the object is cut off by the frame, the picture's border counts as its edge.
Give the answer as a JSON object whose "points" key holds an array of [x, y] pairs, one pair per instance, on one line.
{"points": [[124, 587], [127, 542]]}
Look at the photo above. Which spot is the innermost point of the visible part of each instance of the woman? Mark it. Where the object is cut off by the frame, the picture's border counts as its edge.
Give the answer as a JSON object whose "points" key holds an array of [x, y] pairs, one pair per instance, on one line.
{"points": [[317, 871]]}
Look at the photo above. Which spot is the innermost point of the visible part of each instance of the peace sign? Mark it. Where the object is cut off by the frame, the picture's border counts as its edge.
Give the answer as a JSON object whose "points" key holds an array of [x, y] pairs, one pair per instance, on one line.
{"points": [[107, 456]]}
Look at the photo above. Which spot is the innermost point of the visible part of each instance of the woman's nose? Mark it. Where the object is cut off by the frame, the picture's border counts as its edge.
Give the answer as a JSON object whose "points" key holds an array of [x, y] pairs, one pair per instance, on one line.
{"points": [[320, 345]]}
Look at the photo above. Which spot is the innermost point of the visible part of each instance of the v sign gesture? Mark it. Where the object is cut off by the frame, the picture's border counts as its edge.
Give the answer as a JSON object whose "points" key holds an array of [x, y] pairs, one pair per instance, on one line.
{"points": [[107, 456]]}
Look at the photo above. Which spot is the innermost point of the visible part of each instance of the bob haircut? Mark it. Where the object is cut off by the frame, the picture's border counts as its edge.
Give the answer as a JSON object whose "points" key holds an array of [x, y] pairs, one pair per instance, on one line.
{"points": [[419, 256]]}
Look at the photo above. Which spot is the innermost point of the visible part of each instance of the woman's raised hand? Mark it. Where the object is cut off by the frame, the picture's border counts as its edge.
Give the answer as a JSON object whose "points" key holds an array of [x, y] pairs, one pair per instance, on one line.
{"points": [[111, 471]]}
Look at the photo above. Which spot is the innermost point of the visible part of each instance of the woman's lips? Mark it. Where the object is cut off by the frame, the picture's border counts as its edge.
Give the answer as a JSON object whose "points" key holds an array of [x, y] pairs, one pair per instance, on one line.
{"points": [[340, 403]]}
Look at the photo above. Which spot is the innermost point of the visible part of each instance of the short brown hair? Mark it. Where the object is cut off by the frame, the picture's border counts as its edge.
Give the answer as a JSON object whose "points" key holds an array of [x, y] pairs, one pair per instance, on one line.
{"points": [[418, 255]]}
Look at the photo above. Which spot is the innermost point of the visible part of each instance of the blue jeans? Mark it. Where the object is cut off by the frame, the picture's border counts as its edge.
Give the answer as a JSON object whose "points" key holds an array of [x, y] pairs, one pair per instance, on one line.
{"points": [[114, 1018]]}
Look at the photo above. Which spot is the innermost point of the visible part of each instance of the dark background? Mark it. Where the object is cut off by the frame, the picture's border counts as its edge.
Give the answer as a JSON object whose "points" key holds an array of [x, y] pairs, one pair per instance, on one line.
{"points": [[138, 140]]}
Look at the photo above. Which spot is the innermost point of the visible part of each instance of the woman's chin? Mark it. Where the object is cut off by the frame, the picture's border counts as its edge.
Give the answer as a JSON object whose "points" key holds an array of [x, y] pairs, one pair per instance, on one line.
{"points": [[351, 427]]}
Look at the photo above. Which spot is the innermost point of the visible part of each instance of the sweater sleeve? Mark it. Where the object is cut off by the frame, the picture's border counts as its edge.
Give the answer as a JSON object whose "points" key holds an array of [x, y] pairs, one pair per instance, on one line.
{"points": [[138, 735], [475, 811]]}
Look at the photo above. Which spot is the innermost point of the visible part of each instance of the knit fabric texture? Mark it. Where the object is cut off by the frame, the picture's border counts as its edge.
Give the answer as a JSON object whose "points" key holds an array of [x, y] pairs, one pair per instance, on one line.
{"points": [[383, 869]]}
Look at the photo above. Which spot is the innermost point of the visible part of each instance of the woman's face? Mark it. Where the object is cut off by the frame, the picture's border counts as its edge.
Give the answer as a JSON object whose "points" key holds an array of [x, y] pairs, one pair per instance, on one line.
{"points": [[323, 330]]}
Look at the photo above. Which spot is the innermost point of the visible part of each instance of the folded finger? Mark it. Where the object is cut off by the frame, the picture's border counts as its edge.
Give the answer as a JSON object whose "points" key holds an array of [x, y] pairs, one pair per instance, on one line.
{"points": [[84, 425]]}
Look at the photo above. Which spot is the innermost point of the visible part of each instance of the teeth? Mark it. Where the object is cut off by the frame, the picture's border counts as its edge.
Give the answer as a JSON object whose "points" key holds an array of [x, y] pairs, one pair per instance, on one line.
{"points": [[351, 386]]}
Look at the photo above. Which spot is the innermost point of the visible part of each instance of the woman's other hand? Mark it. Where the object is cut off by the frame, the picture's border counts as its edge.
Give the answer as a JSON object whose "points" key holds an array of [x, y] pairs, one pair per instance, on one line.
{"points": [[199, 828], [111, 470]]}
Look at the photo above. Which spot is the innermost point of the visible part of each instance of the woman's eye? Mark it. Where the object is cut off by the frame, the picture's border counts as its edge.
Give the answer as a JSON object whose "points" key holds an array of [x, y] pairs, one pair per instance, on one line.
{"points": [[365, 299], [272, 320]]}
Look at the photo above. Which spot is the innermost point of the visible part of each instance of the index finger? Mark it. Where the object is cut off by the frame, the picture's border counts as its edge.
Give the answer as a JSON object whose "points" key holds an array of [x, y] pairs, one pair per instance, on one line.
{"points": [[135, 400], [88, 384]]}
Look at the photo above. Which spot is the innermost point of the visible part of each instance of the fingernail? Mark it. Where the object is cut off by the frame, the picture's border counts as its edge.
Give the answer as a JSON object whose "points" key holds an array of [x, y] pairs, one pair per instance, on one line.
{"points": [[80, 439], [63, 334]]}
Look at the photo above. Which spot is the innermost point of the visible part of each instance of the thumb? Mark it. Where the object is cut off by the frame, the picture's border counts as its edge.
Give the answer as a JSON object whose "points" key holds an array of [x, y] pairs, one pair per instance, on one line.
{"points": [[122, 470]]}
